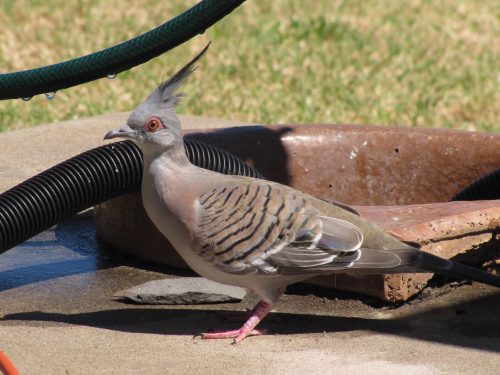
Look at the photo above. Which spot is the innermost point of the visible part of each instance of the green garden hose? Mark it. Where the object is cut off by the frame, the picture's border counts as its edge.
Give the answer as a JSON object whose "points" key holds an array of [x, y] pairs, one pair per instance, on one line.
{"points": [[113, 60]]}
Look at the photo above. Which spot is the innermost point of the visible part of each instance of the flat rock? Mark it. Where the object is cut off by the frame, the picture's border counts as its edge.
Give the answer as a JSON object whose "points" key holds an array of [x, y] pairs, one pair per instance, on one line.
{"points": [[182, 291]]}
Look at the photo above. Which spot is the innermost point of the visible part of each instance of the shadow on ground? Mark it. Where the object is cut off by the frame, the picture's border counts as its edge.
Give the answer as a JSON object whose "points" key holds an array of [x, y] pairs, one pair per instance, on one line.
{"points": [[456, 325]]}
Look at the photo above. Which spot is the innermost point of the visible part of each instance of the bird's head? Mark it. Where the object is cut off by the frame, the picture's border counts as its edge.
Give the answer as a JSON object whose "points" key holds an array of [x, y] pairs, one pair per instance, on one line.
{"points": [[154, 125]]}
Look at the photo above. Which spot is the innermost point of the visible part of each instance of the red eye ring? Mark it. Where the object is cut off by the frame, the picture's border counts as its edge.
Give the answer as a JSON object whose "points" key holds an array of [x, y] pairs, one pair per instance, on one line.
{"points": [[153, 124]]}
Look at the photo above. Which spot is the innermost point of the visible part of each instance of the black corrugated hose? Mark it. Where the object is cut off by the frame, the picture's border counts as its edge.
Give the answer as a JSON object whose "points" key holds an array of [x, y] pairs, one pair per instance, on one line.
{"points": [[116, 169], [88, 179], [486, 188]]}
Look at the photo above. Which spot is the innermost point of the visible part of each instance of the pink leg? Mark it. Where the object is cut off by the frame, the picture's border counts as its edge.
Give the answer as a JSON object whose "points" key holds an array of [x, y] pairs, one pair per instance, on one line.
{"points": [[262, 309], [238, 316]]}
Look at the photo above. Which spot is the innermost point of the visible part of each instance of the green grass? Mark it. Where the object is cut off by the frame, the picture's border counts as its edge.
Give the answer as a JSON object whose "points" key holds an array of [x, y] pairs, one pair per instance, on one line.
{"points": [[415, 63]]}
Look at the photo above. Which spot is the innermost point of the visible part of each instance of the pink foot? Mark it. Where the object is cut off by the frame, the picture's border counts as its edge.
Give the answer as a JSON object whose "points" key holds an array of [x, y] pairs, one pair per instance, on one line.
{"points": [[248, 329], [236, 334]]}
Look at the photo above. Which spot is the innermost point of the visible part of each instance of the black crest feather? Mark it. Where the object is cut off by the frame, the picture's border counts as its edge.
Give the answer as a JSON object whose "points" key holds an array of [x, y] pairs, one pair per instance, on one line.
{"points": [[168, 88]]}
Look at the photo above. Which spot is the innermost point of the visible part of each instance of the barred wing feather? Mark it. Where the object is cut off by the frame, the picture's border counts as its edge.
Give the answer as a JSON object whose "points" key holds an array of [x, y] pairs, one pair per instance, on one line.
{"points": [[260, 227]]}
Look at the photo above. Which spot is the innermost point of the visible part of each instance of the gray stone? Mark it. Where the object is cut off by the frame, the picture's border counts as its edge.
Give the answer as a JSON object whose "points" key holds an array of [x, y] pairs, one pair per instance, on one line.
{"points": [[182, 291]]}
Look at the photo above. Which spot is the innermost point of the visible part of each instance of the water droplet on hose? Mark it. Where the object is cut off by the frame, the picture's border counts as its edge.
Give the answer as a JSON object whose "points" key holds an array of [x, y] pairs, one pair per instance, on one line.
{"points": [[26, 98], [111, 76], [50, 95]]}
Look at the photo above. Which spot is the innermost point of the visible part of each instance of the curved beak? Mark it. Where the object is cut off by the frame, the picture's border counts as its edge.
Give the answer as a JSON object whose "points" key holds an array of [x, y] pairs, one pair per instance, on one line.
{"points": [[124, 132]]}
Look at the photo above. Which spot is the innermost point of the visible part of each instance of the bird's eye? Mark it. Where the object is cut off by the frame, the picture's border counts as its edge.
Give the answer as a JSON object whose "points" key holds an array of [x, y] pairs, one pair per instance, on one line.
{"points": [[153, 124]]}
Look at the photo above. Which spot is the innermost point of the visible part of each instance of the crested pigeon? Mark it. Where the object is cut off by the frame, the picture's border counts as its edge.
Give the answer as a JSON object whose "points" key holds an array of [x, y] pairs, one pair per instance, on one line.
{"points": [[254, 233]]}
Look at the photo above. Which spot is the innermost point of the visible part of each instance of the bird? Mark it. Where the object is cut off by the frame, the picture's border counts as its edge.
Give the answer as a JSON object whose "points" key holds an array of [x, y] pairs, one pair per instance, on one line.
{"points": [[254, 233]]}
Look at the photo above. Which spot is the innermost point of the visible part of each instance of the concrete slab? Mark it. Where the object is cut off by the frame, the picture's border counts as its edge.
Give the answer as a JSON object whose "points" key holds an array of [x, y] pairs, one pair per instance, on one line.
{"points": [[58, 316]]}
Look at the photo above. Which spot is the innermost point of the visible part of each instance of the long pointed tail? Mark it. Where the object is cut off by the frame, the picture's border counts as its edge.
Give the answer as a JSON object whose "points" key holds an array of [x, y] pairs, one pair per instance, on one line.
{"points": [[415, 260], [429, 262]]}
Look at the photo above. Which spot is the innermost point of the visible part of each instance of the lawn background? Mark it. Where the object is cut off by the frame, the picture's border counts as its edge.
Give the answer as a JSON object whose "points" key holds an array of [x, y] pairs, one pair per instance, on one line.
{"points": [[412, 63]]}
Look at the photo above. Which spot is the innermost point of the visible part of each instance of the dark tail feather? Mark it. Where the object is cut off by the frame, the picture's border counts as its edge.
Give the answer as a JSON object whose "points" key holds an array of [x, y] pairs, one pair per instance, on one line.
{"points": [[415, 260], [457, 270]]}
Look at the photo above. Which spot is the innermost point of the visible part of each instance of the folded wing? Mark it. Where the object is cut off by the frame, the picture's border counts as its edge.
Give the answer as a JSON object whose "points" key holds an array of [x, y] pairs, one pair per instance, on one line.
{"points": [[260, 227]]}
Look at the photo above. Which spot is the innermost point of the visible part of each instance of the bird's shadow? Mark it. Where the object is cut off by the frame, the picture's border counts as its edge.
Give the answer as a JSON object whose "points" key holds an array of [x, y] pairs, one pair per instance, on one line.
{"points": [[456, 325], [187, 321]]}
